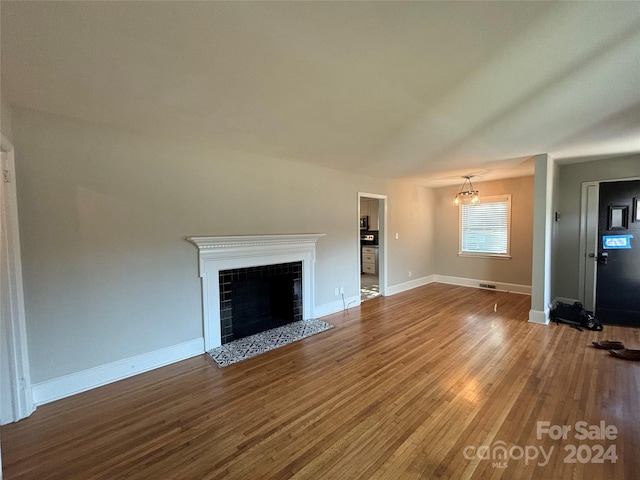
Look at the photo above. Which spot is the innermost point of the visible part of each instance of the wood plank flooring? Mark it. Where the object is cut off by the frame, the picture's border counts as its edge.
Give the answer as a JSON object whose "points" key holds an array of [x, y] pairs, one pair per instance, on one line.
{"points": [[423, 384]]}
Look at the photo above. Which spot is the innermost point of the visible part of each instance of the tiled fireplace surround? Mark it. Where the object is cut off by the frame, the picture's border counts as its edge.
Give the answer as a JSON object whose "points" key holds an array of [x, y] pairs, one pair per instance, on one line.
{"points": [[219, 255], [256, 299]]}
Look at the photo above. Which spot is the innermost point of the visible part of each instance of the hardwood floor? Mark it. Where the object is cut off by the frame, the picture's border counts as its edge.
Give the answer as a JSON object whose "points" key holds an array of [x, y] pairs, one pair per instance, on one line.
{"points": [[416, 385]]}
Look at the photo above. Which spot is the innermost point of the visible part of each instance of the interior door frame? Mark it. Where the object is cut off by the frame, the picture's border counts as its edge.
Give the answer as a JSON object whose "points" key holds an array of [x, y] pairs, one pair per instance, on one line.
{"points": [[382, 241], [18, 403], [588, 272], [588, 244]]}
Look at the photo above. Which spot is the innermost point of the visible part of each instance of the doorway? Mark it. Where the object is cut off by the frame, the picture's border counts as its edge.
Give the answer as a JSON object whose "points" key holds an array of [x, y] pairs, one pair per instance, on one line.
{"points": [[610, 251], [618, 258], [371, 246]]}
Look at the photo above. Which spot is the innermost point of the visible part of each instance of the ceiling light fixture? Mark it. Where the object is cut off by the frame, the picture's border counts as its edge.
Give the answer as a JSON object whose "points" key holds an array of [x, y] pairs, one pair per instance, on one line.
{"points": [[467, 196]]}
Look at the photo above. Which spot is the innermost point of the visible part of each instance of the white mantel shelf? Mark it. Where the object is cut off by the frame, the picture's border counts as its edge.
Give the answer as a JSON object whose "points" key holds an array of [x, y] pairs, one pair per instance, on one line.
{"points": [[225, 253], [241, 241]]}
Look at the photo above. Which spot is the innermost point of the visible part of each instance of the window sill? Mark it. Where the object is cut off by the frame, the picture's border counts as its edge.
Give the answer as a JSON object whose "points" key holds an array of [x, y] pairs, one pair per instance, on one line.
{"points": [[484, 255]]}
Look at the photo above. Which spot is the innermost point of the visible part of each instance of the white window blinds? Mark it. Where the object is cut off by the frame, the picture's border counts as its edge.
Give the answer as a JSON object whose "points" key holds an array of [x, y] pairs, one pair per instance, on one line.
{"points": [[484, 226]]}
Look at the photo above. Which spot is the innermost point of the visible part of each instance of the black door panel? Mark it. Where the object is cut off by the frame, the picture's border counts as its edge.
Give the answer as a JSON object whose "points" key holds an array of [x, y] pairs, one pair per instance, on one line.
{"points": [[618, 274]]}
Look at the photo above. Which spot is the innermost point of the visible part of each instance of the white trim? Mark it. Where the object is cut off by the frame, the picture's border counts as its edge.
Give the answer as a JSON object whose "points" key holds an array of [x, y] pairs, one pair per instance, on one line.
{"points": [[67, 385], [539, 317], [239, 243], [484, 255], [588, 244], [473, 282], [382, 241], [337, 306], [334, 307], [226, 253], [411, 284], [17, 399], [505, 197], [541, 261], [588, 267]]}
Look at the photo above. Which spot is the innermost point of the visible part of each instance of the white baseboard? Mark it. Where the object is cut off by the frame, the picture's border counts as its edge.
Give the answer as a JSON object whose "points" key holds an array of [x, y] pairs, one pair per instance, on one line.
{"points": [[415, 283], [472, 282], [538, 316], [67, 385], [336, 306]]}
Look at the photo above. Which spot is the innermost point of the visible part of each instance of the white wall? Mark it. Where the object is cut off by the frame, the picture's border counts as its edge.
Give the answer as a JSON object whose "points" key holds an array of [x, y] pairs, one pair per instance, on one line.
{"points": [[104, 214]]}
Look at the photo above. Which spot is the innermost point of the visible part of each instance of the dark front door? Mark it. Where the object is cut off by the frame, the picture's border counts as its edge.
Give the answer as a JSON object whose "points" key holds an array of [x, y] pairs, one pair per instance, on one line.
{"points": [[618, 277]]}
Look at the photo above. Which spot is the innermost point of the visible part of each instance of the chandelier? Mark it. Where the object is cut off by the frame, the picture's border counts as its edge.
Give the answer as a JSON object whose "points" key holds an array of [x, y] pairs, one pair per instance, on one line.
{"points": [[466, 196]]}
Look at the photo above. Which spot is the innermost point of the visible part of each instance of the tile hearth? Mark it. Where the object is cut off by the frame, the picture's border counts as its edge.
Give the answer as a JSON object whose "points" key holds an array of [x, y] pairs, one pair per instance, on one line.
{"points": [[248, 347]]}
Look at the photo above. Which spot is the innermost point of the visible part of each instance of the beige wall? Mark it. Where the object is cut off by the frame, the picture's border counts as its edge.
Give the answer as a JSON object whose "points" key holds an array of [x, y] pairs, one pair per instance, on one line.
{"points": [[516, 270], [5, 120], [104, 214]]}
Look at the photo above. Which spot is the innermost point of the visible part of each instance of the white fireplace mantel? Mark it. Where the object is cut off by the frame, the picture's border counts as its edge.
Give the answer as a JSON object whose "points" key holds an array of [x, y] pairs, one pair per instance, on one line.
{"points": [[225, 253]]}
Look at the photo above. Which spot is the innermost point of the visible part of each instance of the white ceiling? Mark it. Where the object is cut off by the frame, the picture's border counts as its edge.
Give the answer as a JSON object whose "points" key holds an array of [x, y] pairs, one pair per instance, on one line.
{"points": [[422, 90]]}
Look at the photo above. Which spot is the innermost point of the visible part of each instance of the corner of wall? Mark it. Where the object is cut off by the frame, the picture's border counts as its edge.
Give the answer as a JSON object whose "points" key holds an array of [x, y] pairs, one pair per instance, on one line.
{"points": [[541, 317], [5, 121]]}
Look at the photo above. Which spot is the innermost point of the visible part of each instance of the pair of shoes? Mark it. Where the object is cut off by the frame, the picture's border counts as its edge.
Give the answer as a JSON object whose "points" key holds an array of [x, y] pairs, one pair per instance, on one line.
{"points": [[608, 345], [626, 353]]}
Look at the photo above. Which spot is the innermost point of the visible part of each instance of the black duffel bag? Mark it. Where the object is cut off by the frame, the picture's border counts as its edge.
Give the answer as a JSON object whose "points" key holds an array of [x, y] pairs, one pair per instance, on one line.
{"points": [[574, 315]]}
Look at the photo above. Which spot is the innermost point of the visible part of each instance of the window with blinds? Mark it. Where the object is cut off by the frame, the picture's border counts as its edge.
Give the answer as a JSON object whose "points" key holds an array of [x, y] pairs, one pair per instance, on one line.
{"points": [[485, 227]]}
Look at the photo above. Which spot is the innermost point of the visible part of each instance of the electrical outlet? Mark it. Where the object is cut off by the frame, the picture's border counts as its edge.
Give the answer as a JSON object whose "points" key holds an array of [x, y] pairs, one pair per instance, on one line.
{"points": [[341, 290], [337, 292], [410, 273]]}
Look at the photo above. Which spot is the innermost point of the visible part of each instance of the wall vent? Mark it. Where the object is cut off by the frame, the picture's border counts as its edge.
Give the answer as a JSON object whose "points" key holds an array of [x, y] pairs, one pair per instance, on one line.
{"points": [[487, 285]]}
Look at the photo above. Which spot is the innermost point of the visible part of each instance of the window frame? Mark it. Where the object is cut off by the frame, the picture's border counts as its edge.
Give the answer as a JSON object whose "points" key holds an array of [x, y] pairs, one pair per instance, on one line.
{"points": [[506, 197]]}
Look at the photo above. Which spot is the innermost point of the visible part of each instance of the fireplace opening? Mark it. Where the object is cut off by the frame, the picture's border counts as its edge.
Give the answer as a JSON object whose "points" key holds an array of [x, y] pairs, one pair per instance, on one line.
{"points": [[256, 299]]}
